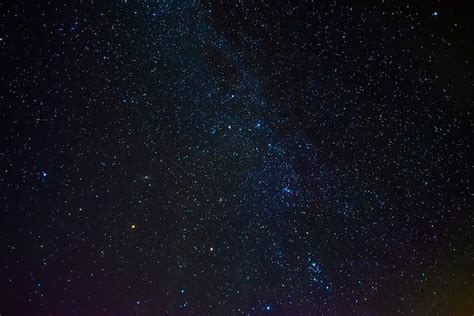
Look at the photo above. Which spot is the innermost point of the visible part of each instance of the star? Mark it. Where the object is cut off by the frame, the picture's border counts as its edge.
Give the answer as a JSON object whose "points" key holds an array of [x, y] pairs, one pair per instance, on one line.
{"points": [[286, 190]]}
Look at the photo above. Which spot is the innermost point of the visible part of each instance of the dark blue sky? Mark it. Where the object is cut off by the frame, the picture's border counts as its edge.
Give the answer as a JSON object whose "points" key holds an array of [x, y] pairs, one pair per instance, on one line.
{"points": [[187, 158]]}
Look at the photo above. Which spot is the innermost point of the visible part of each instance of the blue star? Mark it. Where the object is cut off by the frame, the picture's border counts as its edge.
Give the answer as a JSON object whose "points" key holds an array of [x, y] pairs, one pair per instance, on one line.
{"points": [[267, 307], [44, 174], [258, 124], [435, 13]]}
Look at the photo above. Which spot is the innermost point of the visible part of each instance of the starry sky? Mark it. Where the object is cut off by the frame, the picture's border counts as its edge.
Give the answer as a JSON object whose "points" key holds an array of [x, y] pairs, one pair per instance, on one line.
{"points": [[236, 158]]}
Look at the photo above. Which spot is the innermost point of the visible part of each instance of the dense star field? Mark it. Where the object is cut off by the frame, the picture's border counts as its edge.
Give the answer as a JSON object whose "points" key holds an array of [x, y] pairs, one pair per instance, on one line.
{"points": [[236, 158]]}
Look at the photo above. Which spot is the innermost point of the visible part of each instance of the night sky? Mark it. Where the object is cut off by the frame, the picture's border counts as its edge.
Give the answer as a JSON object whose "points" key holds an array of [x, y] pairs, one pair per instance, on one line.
{"points": [[236, 158]]}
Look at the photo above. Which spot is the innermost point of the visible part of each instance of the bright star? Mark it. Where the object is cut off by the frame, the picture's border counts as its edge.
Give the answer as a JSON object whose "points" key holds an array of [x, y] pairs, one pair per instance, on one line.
{"points": [[286, 190]]}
